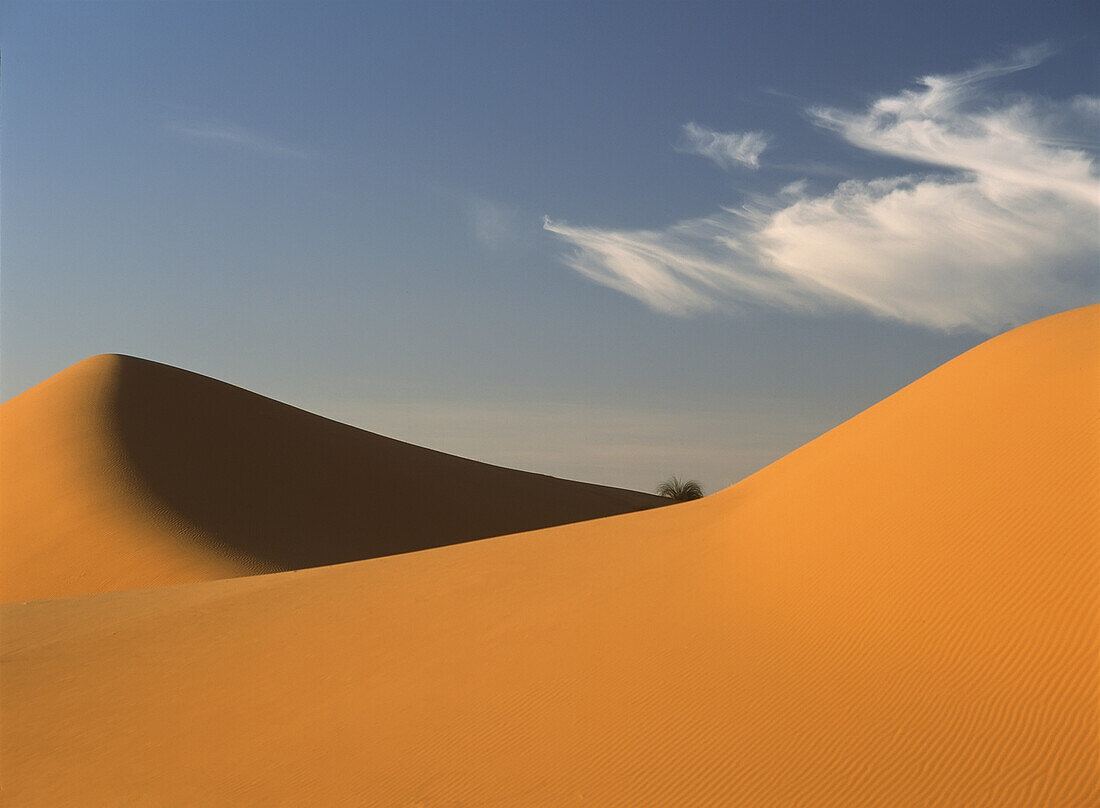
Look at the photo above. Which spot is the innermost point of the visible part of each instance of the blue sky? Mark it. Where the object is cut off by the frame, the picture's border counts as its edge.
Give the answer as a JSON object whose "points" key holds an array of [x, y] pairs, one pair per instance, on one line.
{"points": [[608, 241]]}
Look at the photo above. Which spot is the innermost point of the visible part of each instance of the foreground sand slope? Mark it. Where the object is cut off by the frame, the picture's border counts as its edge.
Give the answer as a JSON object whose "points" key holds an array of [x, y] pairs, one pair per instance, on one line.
{"points": [[121, 473], [901, 613]]}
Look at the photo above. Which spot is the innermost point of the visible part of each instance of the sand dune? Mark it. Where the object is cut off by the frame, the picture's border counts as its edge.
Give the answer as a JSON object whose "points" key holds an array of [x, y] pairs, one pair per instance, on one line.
{"points": [[904, 612], [121, 473]]}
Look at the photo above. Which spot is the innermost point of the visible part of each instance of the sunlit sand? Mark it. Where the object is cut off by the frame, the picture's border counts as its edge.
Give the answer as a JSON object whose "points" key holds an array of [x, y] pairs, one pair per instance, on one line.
{"points": [[903, 612]]}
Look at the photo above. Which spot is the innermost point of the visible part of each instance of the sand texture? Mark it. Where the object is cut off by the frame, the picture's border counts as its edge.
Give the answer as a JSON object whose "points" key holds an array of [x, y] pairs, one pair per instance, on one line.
{"points": [[903, 612], [121, 473]]}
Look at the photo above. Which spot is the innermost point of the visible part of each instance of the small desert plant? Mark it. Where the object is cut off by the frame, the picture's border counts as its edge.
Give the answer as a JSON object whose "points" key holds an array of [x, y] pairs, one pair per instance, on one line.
{"points": [[680, 490]]}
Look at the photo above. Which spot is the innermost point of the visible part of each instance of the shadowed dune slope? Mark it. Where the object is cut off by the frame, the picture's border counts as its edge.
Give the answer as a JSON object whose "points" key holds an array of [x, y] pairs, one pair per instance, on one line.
{"points": [[121, 473], [903, 612]]}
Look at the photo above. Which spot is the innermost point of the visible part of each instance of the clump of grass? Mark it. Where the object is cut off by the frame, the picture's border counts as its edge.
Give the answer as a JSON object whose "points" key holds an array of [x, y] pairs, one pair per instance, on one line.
{"points": [[680, 490]]}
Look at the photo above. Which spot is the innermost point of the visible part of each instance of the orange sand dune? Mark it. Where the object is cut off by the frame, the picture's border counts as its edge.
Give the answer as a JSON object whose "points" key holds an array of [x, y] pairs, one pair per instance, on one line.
{"points": [[904, 612], [120, 473]]}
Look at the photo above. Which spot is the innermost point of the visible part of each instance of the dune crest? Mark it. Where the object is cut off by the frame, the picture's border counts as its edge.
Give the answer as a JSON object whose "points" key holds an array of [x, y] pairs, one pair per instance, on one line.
{"points": [[122, 473], [904, 612]]}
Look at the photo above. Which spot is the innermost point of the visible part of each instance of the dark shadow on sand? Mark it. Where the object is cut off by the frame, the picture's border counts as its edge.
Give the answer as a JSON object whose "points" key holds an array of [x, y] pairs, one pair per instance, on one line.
{"points": [[289, 489]]}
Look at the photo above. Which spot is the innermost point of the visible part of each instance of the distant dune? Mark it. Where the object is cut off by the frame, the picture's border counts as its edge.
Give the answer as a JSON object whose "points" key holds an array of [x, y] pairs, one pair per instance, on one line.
{"points": [[904, 612], [121, 473]]}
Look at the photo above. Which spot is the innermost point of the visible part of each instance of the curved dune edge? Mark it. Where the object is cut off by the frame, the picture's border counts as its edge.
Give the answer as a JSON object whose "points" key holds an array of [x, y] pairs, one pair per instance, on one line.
{"points": [[903, 612], [121, 473]]}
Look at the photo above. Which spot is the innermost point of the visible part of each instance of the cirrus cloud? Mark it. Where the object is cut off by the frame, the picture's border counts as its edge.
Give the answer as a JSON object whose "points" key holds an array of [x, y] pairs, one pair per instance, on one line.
{"points": [[726, 149], [1000, 230]]}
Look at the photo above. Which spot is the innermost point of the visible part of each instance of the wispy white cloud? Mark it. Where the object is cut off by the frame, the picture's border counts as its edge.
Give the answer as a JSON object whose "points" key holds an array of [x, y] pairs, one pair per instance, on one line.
{"points": [[1004, 231], [228, 134], [727, 149]]}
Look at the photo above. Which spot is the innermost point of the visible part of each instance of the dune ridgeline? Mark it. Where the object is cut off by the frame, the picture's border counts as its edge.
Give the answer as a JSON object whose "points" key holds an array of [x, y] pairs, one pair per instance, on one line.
{"points": [[121, 473], [903, 612]]}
